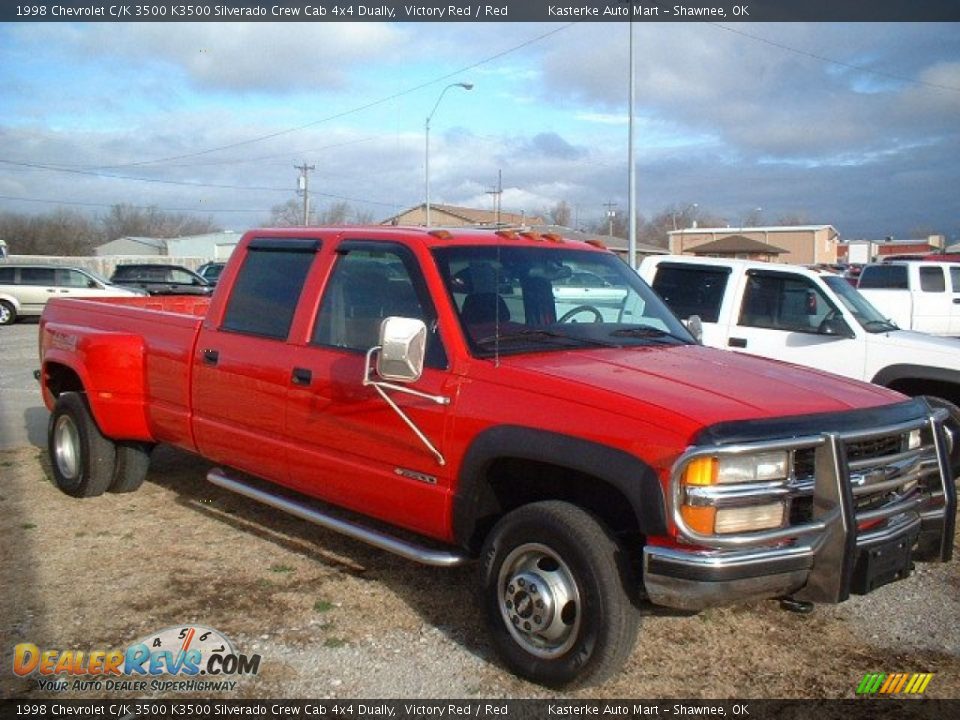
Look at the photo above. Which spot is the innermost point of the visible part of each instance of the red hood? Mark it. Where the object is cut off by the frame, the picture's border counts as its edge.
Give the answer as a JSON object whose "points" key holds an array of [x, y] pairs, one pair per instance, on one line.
{"points": [[701, 384]]}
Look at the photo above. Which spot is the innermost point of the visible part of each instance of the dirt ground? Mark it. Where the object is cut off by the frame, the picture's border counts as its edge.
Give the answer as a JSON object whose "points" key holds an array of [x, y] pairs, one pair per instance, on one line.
{"points": [[333, 618]]}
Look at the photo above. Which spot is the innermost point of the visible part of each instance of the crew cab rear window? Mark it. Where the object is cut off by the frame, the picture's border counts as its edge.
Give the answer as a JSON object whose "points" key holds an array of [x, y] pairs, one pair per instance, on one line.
{"points": [[692, 289], [37, 276], [267, 289], [6, 276], [884, 277], [932, 280]]}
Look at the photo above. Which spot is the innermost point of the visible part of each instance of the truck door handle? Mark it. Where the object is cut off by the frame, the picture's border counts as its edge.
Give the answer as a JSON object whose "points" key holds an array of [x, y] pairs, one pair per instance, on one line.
{"points": [[211, 357], [737, 342], [956, 301], [301, 376]]}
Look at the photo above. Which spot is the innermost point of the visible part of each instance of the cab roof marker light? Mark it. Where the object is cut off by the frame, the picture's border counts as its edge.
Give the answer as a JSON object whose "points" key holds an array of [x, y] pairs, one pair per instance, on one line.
{"points": [[553, 237], [531, 235], [441, 234], [507, 234]]}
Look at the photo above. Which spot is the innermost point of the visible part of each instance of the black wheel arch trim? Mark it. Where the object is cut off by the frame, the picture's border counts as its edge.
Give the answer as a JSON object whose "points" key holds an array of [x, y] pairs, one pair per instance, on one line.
{"points": [[892, 373], [626, 473]]}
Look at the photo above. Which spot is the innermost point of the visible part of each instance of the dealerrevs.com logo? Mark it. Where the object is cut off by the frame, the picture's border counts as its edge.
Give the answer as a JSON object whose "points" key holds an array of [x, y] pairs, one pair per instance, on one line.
{"points": [[894, 683], [186, 658]]}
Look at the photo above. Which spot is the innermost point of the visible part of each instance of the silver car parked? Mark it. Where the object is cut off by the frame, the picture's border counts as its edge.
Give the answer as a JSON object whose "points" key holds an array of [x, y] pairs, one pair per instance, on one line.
{"points": [[25, 289]]}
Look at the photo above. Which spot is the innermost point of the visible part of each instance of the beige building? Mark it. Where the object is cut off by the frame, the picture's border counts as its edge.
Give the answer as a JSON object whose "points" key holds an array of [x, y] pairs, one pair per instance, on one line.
{"points": [[801, 244], [453, 216]]}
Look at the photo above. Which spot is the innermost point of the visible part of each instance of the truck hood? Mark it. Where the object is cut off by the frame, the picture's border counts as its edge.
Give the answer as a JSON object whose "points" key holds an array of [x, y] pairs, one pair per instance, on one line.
{"points": [[700, 384], [908, 347]]}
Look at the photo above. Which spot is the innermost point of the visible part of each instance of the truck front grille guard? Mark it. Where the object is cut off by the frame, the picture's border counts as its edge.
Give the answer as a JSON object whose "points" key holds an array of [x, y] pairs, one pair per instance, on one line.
{"points": [[845, 490]]}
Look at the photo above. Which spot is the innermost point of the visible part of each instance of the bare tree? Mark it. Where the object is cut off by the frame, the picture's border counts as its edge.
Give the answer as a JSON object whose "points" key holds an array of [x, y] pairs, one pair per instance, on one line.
{"points": [[131, 221], [288, 214], [792, 219], [59, 232], [561, 214]]}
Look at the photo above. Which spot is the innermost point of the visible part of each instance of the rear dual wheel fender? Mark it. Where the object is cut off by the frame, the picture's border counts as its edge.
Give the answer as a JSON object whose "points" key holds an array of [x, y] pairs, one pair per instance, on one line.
{"points": [[83, 460], [554, 583]]}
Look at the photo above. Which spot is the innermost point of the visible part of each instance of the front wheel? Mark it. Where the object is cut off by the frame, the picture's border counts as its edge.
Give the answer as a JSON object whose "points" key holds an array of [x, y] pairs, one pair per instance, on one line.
{"points": [[555, 595], [83, 459], [8, 314]]}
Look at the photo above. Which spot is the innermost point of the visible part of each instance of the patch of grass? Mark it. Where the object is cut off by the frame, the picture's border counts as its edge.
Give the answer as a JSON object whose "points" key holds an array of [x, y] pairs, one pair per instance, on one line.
{"points": [[322, 606], [7, 463], [334, 643], [28, 526], [280, 568], [265, 584]]}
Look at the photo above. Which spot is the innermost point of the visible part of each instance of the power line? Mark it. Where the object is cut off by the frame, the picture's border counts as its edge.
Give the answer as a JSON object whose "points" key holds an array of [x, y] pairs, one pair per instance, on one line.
{"points": [[138, 207], [849, 66], [359, 108], [186, 183]]}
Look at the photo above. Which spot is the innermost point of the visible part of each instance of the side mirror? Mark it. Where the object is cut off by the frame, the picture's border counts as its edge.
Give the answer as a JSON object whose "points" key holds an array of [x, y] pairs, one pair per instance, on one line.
{"points": [[835, 326], [403, 344], [695, 326]]}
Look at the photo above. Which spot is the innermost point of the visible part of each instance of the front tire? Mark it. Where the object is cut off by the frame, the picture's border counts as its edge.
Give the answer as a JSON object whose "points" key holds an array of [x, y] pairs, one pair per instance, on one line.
{"points": [[8, 313], [83, 459], [952, 427], [554, 583]]}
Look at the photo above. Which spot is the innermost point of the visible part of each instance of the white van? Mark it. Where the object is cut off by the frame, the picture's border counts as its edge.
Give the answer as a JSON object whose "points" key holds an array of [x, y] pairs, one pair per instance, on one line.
{"points": [[25, 289]]}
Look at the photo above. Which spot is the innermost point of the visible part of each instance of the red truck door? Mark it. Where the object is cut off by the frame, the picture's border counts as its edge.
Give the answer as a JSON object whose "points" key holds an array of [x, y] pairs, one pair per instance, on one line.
{"points": [[347, 445], [242, 366]]}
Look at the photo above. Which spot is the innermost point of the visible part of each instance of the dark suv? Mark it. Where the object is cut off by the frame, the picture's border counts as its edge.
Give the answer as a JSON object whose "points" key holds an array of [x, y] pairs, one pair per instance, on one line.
{"points": [[161, 279]]}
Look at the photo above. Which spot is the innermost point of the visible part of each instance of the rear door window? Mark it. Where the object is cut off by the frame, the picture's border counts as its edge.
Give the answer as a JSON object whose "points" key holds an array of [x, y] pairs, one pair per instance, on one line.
{"points": [[884, 277], [37, 276], [932, 280], [692, 289], [6, 276], [267, 290]]}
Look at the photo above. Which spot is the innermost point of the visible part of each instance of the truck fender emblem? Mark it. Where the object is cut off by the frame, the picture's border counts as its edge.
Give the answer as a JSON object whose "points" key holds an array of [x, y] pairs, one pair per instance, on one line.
{"points": [[414, 475]]}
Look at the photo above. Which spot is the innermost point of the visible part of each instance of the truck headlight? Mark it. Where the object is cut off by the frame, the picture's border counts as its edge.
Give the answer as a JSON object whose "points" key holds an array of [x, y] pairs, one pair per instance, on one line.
{"points": [[713, 512], [758, 467]]}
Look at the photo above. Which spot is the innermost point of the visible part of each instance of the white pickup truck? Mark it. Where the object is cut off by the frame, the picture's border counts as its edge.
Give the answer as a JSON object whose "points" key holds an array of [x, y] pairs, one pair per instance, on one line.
{"points": [[922, 296], [802, 316]]}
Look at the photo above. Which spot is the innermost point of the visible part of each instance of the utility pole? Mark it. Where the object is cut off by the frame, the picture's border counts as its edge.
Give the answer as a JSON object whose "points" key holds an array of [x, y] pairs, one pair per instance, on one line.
{"points": [[611, 214], [303, 188], [497, 193]]}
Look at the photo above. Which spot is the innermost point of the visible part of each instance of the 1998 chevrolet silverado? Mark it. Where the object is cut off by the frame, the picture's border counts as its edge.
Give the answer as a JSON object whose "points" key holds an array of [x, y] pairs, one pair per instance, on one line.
{"points": [[514, 398]]}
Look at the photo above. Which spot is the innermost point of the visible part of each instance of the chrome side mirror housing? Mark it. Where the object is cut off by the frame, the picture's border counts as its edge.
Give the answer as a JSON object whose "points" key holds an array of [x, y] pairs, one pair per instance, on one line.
{"points": [[695, 326], [403, 345]]}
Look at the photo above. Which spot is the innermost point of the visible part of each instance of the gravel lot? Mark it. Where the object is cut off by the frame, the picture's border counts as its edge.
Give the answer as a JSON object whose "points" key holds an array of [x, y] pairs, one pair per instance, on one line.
{"points": [[333, 618]]}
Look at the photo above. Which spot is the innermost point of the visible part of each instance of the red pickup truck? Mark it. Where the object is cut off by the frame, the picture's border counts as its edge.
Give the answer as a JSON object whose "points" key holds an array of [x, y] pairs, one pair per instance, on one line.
{"points": [[514, 398]]}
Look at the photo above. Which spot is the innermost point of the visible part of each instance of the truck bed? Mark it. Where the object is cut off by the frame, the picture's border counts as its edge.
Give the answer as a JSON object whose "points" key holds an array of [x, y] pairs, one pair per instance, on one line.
{"points": [[144, 348]]}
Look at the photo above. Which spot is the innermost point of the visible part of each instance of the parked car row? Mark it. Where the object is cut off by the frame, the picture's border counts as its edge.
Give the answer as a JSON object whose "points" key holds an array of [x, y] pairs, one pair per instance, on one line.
{"points": [[26, 288]]}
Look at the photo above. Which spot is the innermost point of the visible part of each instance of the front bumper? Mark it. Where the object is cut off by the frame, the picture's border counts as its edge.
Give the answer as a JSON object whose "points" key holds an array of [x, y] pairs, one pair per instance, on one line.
{"points": [[837, 552]]}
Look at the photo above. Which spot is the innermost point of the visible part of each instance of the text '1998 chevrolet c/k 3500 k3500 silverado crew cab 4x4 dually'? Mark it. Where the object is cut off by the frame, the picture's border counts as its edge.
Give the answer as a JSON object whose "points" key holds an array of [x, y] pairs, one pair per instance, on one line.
{"points": [[514, 398]]}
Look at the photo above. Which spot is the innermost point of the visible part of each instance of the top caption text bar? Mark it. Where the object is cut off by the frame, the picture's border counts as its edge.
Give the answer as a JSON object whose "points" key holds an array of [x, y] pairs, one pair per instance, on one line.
{"points": [[480, 11]]}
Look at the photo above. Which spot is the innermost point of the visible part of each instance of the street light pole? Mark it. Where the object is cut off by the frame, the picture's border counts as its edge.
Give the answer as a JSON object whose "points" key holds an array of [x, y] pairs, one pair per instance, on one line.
{"points": [[632, 176], [426, 160]]}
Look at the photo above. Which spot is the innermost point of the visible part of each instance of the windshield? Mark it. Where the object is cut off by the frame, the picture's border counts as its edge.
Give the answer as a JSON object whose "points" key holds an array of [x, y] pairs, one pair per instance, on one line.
{"points": [[527, 299], [866, 314]]}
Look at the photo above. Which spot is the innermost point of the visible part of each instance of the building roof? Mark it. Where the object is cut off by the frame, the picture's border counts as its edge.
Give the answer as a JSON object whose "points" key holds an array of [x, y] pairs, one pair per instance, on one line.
{"points": [[472, 215], [612, 242], [764, 229], [736, 244]]}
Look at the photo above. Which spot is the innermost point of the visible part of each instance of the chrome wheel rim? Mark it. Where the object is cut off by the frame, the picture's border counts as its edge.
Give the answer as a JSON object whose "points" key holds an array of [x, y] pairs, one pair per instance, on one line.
{"points": [[539, 600], [4, 314], [66, 447]]}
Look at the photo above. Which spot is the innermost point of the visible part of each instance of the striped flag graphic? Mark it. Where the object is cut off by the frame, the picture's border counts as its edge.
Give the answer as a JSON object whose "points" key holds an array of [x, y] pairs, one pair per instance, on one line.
{"points": [[894, 683]]}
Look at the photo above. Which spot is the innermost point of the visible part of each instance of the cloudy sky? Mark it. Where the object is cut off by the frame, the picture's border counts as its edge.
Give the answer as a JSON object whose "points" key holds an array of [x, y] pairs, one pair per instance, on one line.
{"points": [[856, 125]]}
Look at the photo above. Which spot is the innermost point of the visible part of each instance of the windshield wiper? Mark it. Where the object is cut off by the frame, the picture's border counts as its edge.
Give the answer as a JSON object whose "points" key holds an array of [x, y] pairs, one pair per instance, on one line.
{"points": [[649, 333], [542, 335]]}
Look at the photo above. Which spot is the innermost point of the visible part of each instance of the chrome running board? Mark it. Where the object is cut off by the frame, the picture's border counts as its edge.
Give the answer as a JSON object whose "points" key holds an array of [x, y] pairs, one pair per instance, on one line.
{"points": [[417, 553]]}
